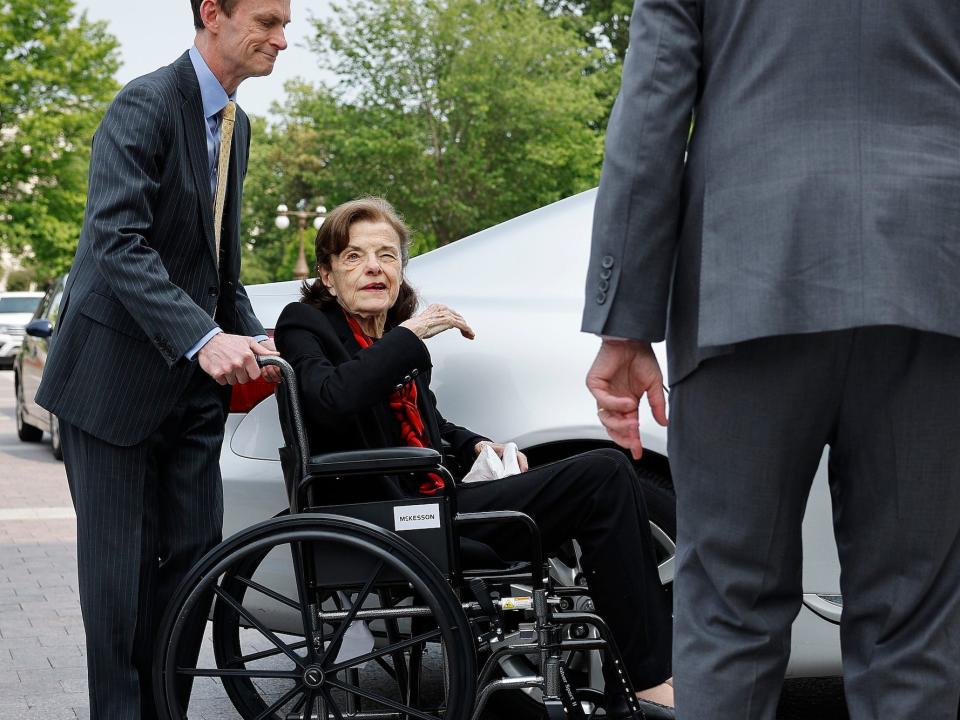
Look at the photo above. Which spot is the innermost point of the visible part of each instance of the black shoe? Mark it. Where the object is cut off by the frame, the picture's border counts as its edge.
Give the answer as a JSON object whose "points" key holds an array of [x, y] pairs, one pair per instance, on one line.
{"points": [[617, 709]]}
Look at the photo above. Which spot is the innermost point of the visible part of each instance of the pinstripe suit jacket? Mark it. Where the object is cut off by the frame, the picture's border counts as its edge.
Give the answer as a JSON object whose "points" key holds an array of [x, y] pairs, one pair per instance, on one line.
{"points": [[144, 286]]}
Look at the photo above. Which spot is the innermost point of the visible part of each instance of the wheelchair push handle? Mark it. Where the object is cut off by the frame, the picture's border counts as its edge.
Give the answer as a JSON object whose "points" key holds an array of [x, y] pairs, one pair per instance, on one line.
{"points": [[291, 417], [286, 370]]}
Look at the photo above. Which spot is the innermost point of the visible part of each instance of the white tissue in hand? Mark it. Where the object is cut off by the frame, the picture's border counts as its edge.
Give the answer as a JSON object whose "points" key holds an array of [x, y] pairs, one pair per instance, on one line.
{"points": [[489, 466]]}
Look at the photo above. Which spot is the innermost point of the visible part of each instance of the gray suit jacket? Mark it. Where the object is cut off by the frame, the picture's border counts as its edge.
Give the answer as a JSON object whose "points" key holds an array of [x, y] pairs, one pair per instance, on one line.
{"points": [[821, 189], [144, 285]]}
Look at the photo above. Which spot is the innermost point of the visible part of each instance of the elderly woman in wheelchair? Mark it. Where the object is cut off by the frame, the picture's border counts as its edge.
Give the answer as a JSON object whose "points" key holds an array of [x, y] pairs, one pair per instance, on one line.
{"points": [[390, 555]]}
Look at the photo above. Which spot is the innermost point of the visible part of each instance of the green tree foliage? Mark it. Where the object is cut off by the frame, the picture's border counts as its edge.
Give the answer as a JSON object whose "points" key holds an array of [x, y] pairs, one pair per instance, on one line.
{"points": [[463, 113], [56, 77], [603, 24]]}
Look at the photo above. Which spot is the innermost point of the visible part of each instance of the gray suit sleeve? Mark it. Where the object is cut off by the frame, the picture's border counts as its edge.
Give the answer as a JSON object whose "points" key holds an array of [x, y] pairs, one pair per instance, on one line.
{"points": [[637, 211], [125, 171]]}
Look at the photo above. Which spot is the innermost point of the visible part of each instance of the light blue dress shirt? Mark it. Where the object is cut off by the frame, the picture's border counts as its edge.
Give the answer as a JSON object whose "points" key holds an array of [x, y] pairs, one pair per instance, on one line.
{"points": [[214, 99]]}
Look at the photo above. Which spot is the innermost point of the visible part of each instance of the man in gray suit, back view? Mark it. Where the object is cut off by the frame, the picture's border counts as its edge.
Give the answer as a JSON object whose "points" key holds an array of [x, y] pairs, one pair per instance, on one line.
{"points": [[804, 265]]}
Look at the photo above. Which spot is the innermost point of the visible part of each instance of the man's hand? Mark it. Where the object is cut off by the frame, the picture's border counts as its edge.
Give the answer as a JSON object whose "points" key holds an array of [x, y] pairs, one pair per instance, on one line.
{"points": [[623, 371], [231, 359], [498, 448], [271, 373]]}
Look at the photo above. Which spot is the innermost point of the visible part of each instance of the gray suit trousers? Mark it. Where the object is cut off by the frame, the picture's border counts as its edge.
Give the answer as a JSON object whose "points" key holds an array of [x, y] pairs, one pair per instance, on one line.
{"points": [[748, 430]]}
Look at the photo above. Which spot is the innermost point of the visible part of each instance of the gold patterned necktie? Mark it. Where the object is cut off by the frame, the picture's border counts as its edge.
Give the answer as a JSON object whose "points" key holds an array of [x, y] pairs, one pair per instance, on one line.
{"points": [[227, 118]]}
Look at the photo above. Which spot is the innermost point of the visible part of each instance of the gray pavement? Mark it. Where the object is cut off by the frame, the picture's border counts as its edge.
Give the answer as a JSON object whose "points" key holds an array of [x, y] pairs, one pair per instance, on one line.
{"points": [[42, 660], [42, 663]]}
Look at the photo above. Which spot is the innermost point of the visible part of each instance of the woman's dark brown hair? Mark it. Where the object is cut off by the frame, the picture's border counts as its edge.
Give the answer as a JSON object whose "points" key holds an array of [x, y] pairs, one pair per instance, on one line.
{"points": [[334, 236]]}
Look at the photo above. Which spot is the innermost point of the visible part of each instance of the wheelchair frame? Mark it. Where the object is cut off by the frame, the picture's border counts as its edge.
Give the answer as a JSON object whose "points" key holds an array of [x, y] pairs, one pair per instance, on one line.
{"points": [[460, 599]]}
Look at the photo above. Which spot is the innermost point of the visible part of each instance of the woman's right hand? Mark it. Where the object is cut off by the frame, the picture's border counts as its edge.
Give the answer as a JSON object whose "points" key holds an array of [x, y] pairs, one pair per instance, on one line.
{"points": [[434, 320]]}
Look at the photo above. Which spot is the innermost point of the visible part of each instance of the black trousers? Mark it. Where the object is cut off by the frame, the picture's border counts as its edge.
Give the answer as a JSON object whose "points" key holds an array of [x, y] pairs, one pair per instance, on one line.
{"points": [[145, 515], [747, 432], [594, 498]]}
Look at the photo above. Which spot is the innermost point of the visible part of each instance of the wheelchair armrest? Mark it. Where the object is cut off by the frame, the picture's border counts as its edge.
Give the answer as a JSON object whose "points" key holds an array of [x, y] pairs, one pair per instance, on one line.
{"points": [[380, 461]]}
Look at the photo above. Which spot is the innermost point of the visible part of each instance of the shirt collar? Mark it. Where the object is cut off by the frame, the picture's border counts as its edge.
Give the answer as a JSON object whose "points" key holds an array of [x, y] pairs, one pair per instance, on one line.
{"points": [[212, 94]]}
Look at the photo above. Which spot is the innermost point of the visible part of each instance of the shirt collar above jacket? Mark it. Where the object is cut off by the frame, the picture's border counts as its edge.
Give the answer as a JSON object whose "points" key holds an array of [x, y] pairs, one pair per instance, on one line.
{"points": [[212, 94]]}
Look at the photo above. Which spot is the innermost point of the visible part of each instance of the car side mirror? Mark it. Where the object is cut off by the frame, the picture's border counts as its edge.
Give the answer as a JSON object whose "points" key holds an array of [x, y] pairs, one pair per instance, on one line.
{"points": [[39, 328]]}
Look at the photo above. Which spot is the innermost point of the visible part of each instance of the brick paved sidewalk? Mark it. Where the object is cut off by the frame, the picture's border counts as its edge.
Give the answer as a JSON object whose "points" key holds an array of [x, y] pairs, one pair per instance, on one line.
{"points": [[42, 663]]}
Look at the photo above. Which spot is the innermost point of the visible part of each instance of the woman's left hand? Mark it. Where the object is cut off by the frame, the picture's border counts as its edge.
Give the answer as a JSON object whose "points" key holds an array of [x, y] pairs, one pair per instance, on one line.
{"points": [[498, 448]]}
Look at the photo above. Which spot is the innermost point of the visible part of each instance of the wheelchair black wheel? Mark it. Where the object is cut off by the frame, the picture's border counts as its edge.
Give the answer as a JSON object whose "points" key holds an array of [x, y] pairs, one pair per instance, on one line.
{"points": [[281, 628]]}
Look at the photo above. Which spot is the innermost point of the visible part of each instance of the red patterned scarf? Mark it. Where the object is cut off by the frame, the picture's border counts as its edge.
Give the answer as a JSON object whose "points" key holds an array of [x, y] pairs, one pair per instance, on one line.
{"points": [[403, 403]]}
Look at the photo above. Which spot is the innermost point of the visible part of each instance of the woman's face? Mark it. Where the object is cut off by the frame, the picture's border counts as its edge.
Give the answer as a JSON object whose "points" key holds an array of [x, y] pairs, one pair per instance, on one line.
{"points": [[366, 276]]}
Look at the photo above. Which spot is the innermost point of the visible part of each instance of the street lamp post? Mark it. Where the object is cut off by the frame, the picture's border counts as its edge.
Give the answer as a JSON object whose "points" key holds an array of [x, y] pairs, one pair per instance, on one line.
{"points": [[300, 271]]}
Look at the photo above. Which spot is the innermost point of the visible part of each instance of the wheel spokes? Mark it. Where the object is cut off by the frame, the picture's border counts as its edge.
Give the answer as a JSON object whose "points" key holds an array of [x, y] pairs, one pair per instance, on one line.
{"points": [[377, 698], [233, 672], [332, 704], [266, 653], [311, 700], [269, 593], [373, 655], [386, 668], [334, 646], [264, 630], [280, 703]]}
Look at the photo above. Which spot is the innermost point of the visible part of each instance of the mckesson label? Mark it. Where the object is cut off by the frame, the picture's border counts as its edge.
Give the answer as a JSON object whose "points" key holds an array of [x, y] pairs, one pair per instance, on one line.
{"points": [[416, 517]]}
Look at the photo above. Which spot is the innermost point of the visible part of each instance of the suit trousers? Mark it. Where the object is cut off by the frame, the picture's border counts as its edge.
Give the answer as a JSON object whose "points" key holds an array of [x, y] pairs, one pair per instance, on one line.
{"points": [[748, 430], [145, 515], [594, 498]]}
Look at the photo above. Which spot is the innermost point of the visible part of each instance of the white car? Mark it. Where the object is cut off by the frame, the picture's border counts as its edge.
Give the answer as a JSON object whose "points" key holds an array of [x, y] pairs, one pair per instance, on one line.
{"points": [[16, 310], [520, 285]]}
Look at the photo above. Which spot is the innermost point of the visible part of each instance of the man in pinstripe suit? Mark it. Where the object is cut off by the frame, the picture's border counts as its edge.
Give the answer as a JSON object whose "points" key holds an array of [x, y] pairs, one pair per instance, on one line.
{"points": [[155, 324]]}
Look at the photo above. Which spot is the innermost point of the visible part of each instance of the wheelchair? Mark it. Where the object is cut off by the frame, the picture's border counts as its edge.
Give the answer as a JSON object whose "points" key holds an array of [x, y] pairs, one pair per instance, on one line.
{"points": [[372, 611]]}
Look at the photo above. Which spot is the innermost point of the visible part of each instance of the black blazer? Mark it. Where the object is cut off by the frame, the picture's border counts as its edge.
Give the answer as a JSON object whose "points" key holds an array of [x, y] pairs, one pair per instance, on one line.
{"points": [[145, 286], [345, 390]]}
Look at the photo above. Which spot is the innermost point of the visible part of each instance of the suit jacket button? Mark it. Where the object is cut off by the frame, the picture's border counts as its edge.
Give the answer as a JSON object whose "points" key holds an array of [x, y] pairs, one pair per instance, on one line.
{"points": [[213, 291], [604, 285], [606, 273], [399, 387], [601, 297], [607, 261], [407, 379], [414, 372]]}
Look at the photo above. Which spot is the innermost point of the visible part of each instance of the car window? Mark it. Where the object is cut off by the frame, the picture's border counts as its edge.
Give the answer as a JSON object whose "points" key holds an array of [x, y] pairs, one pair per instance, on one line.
{"points": [[44, 304], [19, 304], [55, 304]]}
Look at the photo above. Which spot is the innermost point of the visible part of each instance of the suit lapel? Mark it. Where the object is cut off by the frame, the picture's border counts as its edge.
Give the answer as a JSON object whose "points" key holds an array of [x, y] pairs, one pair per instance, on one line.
{"points": [[194, 130]]}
